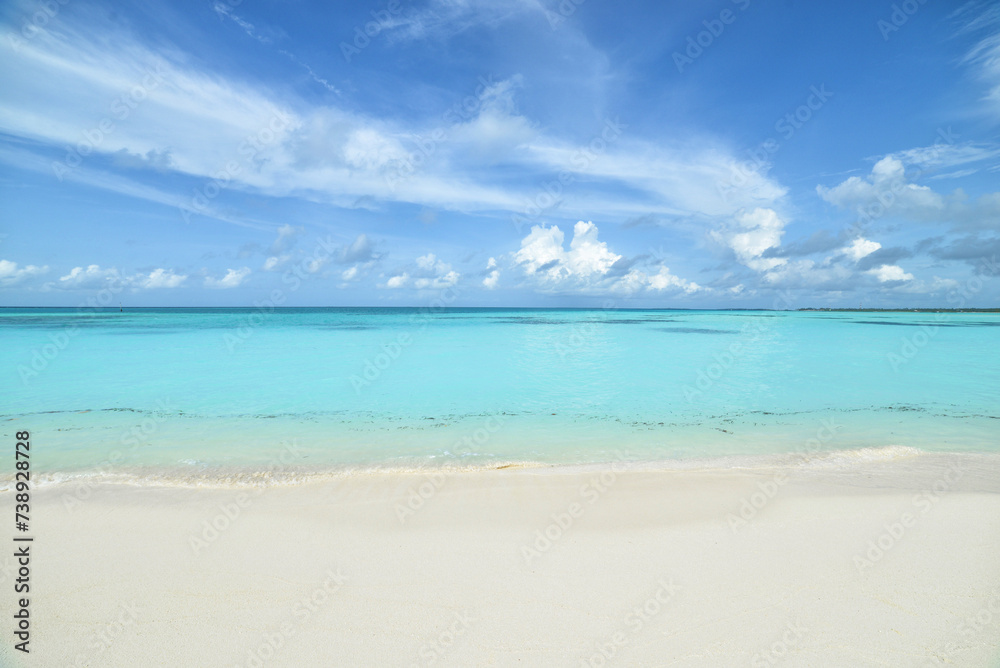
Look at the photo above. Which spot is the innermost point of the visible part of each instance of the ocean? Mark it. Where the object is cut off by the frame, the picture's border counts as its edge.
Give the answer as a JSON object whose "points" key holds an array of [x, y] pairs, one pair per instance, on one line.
{"points": [[204, 393]]}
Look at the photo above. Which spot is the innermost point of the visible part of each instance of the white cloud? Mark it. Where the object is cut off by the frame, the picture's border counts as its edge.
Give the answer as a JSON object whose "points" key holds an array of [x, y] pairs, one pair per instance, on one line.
{"points": [[232, 279], [890, 272], [542, 254], [158, 278], [317, 263], [860, 248], [806, 273], [275, 262], [430, 273], [287, 236], [662, 280], [497, 130], [399, 281], [429, 262], [438, 282], [985, 54], [369, 149], [90, 277], [492, 277], [587, 266], [359, 250], [336, 155], [543, 247], [886, 184], [10, 274], [889, 191], [754, 233], [349, 274]]}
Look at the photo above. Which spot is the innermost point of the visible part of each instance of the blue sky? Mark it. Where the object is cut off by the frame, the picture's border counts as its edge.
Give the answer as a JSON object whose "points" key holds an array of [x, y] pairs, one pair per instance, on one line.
{"points": [[519, 152]]}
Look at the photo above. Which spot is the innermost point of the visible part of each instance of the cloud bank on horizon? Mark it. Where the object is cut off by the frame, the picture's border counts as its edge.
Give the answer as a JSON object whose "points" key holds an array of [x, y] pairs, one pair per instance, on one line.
{"points": [[504, 152]]}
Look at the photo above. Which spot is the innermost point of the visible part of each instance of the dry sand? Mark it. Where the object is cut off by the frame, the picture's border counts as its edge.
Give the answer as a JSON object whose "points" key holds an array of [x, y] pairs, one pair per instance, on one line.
{"points": [[882, 564]]}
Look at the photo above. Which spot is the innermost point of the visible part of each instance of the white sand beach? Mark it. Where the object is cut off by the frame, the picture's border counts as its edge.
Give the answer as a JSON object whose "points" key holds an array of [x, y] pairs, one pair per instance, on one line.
{"points": [[892, 563]]}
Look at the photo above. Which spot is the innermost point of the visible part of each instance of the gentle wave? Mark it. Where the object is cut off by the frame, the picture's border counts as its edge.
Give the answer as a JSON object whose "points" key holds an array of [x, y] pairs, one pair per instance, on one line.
{"points": [[195, 475]]}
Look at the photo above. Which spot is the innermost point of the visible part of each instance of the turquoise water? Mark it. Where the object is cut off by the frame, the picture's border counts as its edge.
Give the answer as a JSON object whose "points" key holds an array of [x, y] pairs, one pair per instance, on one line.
{"points": [[202, 390]]}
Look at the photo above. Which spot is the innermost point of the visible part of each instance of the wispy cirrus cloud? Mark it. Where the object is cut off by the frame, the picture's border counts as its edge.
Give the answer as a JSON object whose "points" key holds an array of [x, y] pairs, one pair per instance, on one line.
{"points": [[202, 121]]}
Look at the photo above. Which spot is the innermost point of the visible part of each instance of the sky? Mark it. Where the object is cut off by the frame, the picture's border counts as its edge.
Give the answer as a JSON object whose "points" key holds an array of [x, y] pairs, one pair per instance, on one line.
{"points": [[570, 153]]}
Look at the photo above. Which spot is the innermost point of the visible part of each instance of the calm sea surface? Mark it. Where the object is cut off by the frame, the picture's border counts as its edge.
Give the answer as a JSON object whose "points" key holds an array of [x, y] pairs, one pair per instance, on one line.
{"points": [[190, 391]]}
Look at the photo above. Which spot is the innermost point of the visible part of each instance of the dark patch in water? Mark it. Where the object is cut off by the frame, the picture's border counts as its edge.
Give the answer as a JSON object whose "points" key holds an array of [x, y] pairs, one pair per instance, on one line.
{"points": [[631, 321], [353, 327], [534, 321], [695, 330]]}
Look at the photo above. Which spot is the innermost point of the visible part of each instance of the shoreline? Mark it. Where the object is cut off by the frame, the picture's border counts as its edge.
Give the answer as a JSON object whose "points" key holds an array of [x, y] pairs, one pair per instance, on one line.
{"points": [[855, 461], [536, 567]]}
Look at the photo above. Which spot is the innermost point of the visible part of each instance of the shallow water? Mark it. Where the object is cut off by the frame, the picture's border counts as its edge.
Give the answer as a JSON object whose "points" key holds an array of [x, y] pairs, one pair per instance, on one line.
{"points": [[194, 390]]}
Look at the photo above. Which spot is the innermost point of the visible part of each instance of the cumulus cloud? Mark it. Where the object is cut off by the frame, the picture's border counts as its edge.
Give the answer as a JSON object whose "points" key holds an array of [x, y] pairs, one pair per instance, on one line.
{"points": [[429, 273], [159, 278], [890, 191], [90, 277], [493, 275], [399, 281], [542, 254], [433, 273], [752, 235], [890, 272], [10, 274], [860, 248], [232, 279], [662, 280], [588, 266]]}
